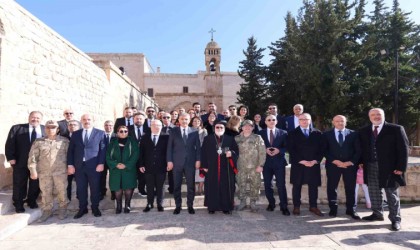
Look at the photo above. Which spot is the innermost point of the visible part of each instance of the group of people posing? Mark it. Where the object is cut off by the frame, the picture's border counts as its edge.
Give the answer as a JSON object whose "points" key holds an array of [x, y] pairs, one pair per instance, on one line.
{"points": [[226, 151]]}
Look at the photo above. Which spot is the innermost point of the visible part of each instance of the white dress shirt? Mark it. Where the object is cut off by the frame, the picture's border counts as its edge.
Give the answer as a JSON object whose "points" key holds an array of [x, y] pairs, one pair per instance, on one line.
{"points": [[37, 131]]}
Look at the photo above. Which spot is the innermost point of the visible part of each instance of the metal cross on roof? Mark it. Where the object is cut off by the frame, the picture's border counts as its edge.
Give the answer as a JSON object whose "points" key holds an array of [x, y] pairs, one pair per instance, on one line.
{"points": [[212, 31]]}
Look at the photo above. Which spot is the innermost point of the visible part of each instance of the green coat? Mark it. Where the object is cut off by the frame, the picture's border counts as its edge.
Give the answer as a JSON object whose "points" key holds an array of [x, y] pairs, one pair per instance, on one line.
{"points": [[122, 178]]}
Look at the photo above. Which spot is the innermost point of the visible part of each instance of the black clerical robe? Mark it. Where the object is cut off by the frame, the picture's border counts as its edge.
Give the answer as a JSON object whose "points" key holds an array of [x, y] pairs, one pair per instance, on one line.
{"points": [[220, 178]]}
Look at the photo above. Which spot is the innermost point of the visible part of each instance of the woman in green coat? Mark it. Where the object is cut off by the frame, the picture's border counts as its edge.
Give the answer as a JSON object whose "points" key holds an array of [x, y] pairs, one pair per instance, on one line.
{"points": [[121, 156]]}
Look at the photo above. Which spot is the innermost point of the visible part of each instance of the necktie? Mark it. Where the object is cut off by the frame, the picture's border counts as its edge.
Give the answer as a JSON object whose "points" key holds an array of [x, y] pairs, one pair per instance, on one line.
{"points": [[85, 140], [305, 131], [375, 132], [340, 138], [107, 138], [128, 122], [154, 140], [33, 135], [138, 133], [184, 137], [271, 137]]}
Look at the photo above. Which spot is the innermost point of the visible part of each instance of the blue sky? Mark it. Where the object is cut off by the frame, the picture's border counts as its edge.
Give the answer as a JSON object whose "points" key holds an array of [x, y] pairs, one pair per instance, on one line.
{"points": [[173, 33]]}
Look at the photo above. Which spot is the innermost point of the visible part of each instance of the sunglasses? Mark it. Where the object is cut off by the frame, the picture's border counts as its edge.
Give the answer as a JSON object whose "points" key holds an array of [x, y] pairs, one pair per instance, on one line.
{"points": [[219, 127], [123, 131], [166, 117], [271, 120], [68, 113]]}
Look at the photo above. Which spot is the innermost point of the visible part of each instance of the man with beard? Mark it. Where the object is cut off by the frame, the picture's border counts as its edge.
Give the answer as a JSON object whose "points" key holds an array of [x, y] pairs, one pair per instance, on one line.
{"points": [[217, 158]]}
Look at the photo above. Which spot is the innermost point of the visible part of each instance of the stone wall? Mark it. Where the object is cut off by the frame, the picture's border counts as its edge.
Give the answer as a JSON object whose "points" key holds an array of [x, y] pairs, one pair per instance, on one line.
{"points": [[40, 70]]}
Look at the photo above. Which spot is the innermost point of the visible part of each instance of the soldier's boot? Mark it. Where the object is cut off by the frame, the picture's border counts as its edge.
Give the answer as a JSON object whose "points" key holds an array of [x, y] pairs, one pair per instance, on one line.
{"points": [[253, 206], [241, 205], [45, 215], [62, 213]]}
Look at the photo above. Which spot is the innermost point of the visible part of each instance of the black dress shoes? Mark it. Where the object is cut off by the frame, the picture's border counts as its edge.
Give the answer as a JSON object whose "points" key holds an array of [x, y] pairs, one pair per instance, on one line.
{"points": [[396, 226], [96, 212], [191, 210], [373, 217], [80, 213], [211, 212], [353, 214], [147, 209], [332, 213], [160, 209], [177, 210], [270, 207], [285, 211], [19, 209], [33, 205]]}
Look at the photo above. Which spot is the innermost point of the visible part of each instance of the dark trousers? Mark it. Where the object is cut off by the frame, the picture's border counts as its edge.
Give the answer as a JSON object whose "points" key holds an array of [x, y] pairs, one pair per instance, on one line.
{"points": [[375, 193], [141, 182], [334, 174], [190, 178], [69, 185], [87, 176], [154, 184], [280, 173], [20, 186], [312, 192], [171, 181], [103, 180]]}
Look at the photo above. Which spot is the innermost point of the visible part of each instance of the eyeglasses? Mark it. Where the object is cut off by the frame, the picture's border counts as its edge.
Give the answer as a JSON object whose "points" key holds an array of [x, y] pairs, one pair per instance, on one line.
{"points": [[166, 117], [303, 119], [270, 108], [68, 113], [271, 120], [219, 127], [150, 111], [123, 131]]}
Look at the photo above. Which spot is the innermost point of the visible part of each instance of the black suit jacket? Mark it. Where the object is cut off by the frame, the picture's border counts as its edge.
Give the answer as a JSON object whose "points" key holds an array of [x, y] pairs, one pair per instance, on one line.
{"points": [[392, 152], [183, 155], [167, 129], [152, 157], [119, 122], [350, 151], [302, 148], [279, 142], [18, 144]]}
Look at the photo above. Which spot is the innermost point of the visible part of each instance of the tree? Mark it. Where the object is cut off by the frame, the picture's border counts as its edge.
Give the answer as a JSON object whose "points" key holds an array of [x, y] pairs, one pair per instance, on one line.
{"points": [[252, 71]]}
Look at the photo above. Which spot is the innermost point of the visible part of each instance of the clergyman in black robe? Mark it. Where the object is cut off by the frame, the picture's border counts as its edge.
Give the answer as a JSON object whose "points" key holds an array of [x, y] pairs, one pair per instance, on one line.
{"points": [[218, 161]]}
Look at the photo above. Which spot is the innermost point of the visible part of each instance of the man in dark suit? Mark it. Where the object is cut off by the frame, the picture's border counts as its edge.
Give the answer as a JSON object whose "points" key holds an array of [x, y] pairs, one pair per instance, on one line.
{"points": [[183, 156], [384, 159], [109, 134], [18, 145], [85, 159], [151, 115], [153, 164], [273, 110], [306, 148], [292, 122], [126, 120], [137, 131], [167, 125], [63, 129], [342, 157], [275, 164], [212, 107], [72, 126]]}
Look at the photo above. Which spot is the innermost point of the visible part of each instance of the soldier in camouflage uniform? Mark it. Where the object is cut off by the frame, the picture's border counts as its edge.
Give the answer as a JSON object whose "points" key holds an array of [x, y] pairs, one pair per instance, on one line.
{"points": [[48, 162], [250, 164]]}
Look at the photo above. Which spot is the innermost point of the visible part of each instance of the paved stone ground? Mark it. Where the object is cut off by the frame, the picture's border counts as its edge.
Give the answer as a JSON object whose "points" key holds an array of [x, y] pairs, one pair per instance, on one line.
{"points": [[242, 230]]}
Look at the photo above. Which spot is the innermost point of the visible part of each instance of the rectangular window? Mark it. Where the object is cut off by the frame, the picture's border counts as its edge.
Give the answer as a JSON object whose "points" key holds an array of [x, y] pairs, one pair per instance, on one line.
{"points": [[150, 92], [185, 90]]}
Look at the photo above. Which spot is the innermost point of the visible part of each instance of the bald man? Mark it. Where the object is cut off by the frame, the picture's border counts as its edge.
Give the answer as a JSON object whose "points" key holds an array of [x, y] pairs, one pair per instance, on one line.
{"points": [[342, 156]]}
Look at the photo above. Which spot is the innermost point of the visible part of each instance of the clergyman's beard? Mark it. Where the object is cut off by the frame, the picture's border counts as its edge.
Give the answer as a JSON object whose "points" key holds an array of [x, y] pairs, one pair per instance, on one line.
{"points": [[219, 133]]}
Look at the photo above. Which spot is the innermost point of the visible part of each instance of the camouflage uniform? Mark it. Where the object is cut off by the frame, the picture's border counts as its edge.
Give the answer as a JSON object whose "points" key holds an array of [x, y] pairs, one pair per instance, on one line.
{"points": [[251, 154], [48, 158]]}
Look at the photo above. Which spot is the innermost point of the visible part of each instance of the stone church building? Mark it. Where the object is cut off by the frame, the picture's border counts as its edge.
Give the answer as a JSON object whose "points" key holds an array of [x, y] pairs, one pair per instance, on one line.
{"points": [[171, 91]]}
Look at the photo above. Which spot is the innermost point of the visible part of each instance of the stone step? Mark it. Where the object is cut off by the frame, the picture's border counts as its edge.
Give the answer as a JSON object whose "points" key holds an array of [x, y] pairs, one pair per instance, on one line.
{"points": [[11, 223]]}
